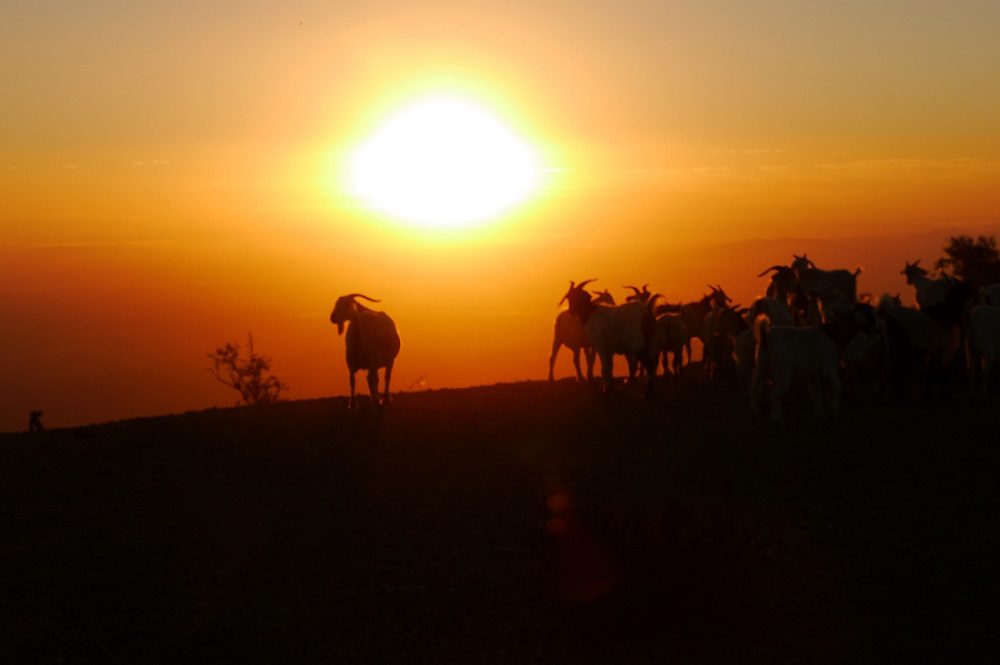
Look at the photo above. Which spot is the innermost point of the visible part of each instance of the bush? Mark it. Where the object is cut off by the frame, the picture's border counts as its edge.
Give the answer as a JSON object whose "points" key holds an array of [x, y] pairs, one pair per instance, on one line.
{"points": [[974, 261], [248, 374]]}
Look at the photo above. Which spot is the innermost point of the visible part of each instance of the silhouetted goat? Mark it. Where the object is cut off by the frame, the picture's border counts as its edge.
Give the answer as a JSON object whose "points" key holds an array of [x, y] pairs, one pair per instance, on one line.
{"points": [[372, 342]]}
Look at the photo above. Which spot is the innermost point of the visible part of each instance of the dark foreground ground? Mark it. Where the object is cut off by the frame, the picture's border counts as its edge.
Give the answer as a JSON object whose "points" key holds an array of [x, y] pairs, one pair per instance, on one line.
{"points": [[522, 523]]}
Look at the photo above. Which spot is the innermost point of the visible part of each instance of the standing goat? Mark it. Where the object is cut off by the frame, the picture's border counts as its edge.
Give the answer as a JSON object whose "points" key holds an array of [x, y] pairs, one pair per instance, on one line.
{"points": [[931, 335], [372, 342], [625, 329], [670, 337], [813, 351], [570, 332], [744, 347], [984, 347], [693, 314], [782, 284], [929, 292], [826, 285]]}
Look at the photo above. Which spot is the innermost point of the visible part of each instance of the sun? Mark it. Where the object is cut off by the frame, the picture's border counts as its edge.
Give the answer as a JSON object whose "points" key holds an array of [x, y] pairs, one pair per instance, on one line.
{"points": [[443, 162]]}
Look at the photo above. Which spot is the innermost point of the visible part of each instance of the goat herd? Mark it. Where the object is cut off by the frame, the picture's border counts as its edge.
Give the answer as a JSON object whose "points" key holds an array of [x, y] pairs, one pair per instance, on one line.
{"points": [[811, 323]]}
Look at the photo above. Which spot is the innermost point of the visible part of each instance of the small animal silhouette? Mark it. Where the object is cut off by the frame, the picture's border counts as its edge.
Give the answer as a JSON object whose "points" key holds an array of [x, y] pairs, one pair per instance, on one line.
{"points": [[35, 422]]}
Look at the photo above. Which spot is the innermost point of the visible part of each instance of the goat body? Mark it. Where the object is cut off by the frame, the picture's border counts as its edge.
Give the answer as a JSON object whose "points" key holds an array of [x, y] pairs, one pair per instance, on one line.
{"points": [[914, 337], [774, 309], [372, 342], [929, 292], [783, 351], [984, 347], [813, 351], [828, 284], [569, 332], [669, 337], [625, 329]]}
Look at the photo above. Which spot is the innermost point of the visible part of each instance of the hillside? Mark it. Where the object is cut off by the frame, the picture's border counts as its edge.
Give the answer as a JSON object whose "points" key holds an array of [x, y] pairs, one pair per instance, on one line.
{"points": [[511, 523]]}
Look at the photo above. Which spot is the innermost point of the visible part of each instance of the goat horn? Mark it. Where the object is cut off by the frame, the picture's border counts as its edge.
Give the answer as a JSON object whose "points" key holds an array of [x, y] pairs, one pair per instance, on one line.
{"points": [[352, 296], [585, 283], [711, 287], [634, 288], [774, 268]]}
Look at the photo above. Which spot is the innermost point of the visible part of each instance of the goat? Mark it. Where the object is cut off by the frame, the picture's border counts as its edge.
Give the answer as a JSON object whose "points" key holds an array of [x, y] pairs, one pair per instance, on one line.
{"points": [[638, 295], [774, 309], [744, 349], [813, 350], [825, 284], [929, 292], [865, 357], [569, 332], [864, 360], [932, 334], [625, 329], [782, 283], [984, 347], [991, 294], [372, 342], [722, 326], [669, 337], [744, 346], [693, 314]]}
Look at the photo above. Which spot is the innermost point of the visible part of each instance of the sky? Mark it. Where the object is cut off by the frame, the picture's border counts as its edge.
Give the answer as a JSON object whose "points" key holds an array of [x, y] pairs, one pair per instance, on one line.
{"points": [[171, 175]]}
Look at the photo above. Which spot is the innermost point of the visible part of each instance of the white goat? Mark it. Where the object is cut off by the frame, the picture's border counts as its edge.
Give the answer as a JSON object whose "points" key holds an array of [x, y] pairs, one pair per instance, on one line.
{"points": [[625, 329], [814, 351], [929, 292], [569, 332], [372, 342], [984, 347]]}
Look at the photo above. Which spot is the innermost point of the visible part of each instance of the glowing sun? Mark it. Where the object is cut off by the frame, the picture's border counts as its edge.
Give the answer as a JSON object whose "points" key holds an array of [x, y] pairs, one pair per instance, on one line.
{"points": [[443, 163]]}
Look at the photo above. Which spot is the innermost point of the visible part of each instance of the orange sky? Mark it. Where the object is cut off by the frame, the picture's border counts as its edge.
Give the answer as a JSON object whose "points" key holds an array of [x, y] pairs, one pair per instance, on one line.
{"points": [[168, 175]]}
